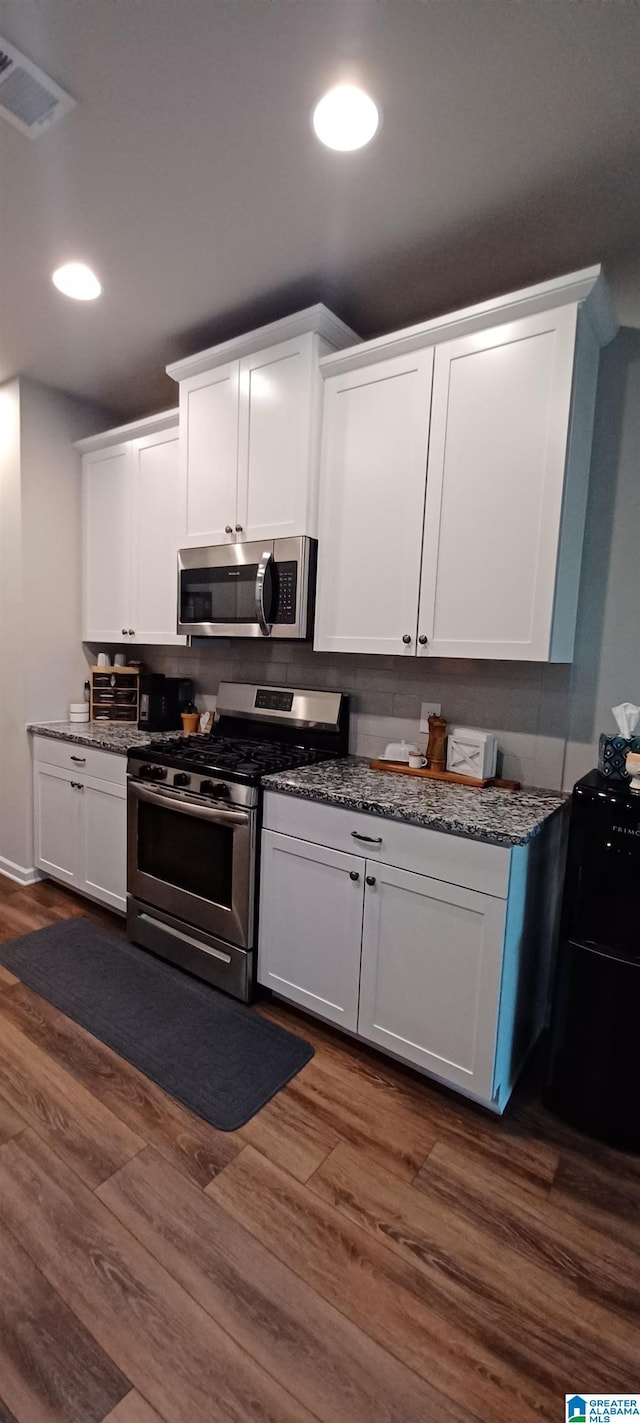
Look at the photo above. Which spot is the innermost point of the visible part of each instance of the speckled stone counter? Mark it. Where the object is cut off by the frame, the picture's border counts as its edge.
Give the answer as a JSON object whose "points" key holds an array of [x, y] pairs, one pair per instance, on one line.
{"points": [[95, 733], [502, 817]]}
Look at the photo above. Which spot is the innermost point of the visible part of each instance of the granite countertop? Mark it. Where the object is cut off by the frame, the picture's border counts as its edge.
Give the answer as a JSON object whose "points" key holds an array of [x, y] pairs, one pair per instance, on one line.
{"points": [[101, 735], [501, 817]]}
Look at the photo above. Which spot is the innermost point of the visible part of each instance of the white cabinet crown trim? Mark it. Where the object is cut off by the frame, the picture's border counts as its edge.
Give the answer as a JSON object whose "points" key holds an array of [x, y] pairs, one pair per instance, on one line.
{"points": [[586, 287], [135, 430], [316, 319]]}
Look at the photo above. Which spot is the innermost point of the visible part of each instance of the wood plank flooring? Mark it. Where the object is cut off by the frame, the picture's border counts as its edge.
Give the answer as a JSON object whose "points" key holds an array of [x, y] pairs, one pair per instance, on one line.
{"points": [[369, 1249]]}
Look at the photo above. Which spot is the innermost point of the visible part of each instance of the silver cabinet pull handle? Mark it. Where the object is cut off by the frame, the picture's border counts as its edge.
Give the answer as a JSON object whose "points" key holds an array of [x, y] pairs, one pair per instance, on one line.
{"points": [[77, 785], [80, 759], [228, 529], [353, 874], [423, 640], [370, 839], [407, 639], [265, 627]]}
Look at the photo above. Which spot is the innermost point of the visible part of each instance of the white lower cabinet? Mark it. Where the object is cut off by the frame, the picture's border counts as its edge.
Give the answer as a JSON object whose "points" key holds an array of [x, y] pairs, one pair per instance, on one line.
{"points": [[104, 843], [311, 926], [57, 824], [431, 971], [80, 821], [435, 948]]}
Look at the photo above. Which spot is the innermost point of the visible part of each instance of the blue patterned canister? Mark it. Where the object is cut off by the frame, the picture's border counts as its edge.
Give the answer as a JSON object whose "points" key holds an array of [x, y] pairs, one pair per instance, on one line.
{"points": [[612, 756]]}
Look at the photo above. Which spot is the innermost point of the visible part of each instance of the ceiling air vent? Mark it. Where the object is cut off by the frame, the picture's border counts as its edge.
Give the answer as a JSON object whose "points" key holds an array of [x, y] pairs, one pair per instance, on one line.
{"points": [[29, 99]]}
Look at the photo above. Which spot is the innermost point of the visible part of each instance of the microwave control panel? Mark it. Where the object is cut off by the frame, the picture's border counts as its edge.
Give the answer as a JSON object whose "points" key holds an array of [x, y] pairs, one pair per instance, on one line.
{"points": [[287, 591]]}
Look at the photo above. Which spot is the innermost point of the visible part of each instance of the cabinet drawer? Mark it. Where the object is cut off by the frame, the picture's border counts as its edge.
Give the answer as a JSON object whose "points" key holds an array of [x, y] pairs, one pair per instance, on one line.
{"points": [[85, 760], [451, 858]]}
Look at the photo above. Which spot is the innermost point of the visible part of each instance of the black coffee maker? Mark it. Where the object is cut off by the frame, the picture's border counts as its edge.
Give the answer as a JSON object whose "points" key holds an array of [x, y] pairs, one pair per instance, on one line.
{"points": [[594, 1070], [162, 701]]}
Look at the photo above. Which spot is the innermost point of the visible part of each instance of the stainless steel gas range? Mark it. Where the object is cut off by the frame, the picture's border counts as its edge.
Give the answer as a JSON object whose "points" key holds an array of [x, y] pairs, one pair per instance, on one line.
{"points": [[193, 815]]}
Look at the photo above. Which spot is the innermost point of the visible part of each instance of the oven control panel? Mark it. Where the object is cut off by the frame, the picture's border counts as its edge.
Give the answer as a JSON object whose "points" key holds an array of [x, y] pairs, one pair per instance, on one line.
{"points": [[189, 786]]}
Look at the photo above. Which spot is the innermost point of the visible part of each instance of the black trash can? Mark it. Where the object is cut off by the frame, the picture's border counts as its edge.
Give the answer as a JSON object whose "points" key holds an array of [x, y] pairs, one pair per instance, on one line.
{"points": [[594, 1065]]}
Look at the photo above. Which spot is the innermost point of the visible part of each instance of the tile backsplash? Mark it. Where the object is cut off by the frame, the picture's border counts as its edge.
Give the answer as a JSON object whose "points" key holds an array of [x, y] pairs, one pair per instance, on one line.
{"points": [[525, 703]]}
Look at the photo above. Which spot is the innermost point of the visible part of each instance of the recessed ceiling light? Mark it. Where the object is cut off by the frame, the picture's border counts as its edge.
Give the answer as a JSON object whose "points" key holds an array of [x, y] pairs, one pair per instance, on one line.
{"points": [[345, 118], [77, 280]]}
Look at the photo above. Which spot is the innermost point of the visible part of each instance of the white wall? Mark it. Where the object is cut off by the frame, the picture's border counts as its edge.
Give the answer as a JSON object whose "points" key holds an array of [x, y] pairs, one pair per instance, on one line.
{"points": [[15, 838], [41, 663]]}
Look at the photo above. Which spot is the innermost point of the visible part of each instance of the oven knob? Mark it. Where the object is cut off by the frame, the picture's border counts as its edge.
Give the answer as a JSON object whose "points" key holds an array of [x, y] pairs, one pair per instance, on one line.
{"points": [[181, 778], [218, 792], [153, 773]]}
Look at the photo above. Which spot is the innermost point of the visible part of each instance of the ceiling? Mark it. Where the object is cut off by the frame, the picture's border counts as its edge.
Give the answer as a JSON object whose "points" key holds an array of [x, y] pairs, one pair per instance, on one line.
{"points": [[189, 177]]}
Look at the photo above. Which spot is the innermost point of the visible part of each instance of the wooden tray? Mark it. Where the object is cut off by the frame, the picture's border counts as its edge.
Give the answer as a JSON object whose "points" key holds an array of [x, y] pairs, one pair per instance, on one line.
{"points": [[400, 768]]}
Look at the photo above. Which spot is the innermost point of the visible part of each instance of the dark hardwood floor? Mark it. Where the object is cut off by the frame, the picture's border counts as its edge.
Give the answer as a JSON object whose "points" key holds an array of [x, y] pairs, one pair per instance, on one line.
{"points": [[369, 1247]]}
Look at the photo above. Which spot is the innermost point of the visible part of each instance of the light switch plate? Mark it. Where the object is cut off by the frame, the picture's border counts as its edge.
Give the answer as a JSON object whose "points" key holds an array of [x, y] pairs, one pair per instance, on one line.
{"points": [[429, 709]]}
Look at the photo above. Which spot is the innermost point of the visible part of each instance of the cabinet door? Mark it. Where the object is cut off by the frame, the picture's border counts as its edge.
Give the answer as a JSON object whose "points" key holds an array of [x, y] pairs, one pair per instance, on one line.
{"points": [[372, 483], [311, 926], [158, 533], [57, 817], [280, 391], [499, 429], [106, 480], [104, 843], [431, 970], [209, 455]]}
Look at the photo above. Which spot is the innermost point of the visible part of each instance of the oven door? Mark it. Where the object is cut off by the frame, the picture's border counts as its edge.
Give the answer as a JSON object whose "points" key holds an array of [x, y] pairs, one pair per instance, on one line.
{"points": [[192, 860]]}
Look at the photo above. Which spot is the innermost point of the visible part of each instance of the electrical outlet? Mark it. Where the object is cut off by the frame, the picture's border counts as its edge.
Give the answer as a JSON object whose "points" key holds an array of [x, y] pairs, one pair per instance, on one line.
{"points": [[429, 709]]}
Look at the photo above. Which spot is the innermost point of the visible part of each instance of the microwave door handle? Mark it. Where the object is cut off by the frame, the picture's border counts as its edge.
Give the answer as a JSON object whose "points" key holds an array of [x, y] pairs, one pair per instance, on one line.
{"points": [[263, 565]]}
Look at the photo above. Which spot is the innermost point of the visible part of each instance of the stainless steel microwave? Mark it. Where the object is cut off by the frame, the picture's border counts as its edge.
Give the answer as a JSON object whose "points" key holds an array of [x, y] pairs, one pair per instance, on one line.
{"points": [[264, 589]]}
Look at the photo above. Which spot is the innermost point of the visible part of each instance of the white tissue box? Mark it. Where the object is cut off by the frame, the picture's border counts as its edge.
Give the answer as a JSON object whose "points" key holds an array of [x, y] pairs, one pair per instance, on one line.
{"points": [[472, 753]]}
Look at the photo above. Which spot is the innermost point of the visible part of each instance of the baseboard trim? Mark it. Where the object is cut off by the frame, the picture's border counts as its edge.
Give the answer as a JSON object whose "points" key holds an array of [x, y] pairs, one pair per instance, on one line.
{"points": [[19, 873]]}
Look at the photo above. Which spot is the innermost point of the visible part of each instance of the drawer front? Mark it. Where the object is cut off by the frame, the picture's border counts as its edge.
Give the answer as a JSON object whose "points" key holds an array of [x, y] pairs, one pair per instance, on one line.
{"points": [[451, 858], [85, 760]]}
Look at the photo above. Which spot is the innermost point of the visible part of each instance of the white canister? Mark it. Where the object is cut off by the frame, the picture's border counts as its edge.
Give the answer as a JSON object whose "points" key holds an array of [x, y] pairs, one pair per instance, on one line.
{"points": [[103, 659]]}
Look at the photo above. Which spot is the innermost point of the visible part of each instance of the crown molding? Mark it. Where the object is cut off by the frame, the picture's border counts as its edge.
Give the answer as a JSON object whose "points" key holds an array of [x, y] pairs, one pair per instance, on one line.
{"points": [[587, 288], [150, 425], [316, 320]]}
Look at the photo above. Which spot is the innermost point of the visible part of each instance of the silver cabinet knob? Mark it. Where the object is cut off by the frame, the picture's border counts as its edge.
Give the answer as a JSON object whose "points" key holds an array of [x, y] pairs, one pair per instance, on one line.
{"points": [[353, 874], [371, 879], [228, 529], [124, 632], [423, 640], [132, 632], [239, 529], [407, 639]]}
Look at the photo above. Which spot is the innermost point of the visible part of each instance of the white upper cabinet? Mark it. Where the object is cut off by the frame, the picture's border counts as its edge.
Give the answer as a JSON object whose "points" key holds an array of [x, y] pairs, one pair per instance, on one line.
{"points": [[106, 484], [250, 415], [133, 526], [157, 527], [209, 454], [495, 452], [495, 482], [376, 427]]}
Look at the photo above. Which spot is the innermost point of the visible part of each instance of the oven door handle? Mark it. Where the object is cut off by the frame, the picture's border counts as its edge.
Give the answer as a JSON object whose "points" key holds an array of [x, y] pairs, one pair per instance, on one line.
{"points": [[189, 807], [263, 565]]}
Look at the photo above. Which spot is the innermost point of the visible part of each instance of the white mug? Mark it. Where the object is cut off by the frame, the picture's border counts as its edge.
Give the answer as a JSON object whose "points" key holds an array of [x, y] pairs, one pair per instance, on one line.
{"points": [[417, 762], [103, 659], [120, 659]]}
